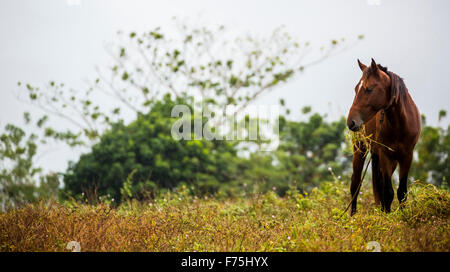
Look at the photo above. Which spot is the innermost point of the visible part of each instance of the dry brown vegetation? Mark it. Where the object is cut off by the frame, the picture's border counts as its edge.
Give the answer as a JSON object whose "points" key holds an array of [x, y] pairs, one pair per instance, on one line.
{"points": [[180, 222]]}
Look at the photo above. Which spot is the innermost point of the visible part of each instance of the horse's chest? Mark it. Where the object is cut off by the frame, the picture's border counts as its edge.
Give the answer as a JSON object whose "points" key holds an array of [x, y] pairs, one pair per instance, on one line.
{"points": [[391, 143]]}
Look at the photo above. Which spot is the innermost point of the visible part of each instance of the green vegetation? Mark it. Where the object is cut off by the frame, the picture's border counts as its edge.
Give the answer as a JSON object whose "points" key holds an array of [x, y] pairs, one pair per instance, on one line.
{"points": [[151, 72], [160, 162], [433, 159], [146, 148], [145, 154]]}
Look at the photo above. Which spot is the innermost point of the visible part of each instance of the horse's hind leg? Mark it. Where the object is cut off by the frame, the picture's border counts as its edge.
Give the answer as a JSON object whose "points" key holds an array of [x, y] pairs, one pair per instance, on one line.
{"points": [[358, 164], [405, 165], [376, 178], [387, 169]]}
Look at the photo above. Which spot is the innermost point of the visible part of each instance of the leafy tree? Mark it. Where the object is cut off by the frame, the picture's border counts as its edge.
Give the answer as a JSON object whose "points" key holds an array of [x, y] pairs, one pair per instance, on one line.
{"points": [[16, 176], [207, 62], [146, 155], [308, 150], [432, 154], [17, 171]]}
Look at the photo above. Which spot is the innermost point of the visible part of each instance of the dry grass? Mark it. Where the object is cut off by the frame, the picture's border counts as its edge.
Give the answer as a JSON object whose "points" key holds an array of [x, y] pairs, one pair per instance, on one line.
{"points": [[267, 222]]}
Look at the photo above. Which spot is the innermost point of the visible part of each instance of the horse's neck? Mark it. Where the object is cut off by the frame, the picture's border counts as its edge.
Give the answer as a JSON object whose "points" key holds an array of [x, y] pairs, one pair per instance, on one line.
{"points": [[395, 115]]}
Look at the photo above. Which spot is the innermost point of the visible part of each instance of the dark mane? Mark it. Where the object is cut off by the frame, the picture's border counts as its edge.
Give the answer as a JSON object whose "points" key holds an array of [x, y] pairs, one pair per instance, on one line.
{"points": [[382, 68], [398, 87]]}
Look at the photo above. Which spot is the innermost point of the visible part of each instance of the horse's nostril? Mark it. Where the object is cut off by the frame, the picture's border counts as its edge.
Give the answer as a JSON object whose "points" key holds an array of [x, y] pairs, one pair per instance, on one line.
{"points": [[351, 125]]}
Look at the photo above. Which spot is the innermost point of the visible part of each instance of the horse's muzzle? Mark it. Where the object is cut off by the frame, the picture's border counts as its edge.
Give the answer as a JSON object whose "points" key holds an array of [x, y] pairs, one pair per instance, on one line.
{"points": [[354, 125]]}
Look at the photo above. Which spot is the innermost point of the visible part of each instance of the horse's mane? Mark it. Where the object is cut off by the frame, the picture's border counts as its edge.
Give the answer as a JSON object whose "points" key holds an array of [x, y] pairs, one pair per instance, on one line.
{"points": [[398, 87], [382, 68]]}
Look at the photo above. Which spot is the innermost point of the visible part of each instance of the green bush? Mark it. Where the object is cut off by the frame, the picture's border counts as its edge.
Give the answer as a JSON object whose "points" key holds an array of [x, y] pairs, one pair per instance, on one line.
{"points": [[146, 147]]}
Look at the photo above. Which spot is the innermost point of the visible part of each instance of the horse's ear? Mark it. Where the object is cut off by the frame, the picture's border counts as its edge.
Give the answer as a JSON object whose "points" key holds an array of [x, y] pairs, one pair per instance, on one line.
{"points": [[361, 65], [373, 66]]}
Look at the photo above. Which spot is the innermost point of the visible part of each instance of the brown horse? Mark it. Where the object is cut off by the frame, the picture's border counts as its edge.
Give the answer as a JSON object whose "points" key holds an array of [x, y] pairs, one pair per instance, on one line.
{"points": [[382, 103]]}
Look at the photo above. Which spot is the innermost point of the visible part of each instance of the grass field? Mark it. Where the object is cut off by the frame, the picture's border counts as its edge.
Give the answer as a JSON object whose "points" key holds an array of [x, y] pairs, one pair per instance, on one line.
{"points": [[180, 222]]}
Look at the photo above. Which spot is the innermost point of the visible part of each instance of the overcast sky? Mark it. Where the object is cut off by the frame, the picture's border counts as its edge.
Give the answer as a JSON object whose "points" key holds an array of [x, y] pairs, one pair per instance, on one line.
{"points": [[61, 40]]}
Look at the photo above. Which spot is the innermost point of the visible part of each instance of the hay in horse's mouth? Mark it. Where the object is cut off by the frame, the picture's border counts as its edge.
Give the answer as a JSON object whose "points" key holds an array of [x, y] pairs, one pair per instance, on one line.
{"points": [[360, 142]]}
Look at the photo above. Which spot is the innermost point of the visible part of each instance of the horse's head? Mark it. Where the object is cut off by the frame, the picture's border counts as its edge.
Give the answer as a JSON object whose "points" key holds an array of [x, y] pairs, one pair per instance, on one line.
{"points": [[372, 93]]}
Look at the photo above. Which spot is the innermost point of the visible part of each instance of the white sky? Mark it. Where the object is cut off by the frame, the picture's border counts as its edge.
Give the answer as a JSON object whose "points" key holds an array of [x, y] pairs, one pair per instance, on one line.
{"points": [[52, 40]]}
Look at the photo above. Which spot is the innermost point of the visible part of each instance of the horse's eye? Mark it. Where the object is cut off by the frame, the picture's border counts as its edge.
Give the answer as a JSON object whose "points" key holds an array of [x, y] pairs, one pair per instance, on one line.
{"points": [[368, 90]]}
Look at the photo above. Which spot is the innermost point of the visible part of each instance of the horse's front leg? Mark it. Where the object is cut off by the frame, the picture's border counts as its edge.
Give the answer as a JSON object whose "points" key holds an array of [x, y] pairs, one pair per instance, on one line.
{"points": [[358, 164]]}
